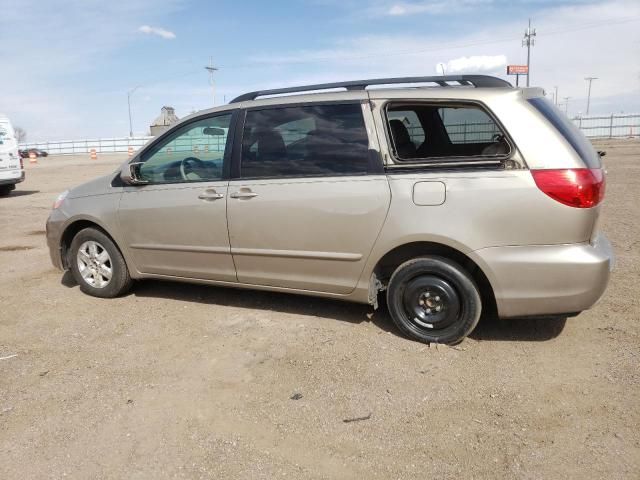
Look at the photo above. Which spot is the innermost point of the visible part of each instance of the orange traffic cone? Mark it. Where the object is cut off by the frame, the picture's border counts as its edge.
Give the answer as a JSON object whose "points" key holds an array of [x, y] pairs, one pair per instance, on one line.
{"points": [[130, 150], [94, 155], [33, 158]]}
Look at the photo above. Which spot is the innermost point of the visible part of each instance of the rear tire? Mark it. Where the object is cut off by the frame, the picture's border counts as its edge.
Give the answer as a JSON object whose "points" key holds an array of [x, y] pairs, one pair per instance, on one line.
{"points": [[433, 300], [5, 190], [97, 265]]}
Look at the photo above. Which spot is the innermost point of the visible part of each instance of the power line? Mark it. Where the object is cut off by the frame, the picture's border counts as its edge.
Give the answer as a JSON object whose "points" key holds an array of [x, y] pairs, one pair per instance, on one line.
{"points": [[436, 47]]}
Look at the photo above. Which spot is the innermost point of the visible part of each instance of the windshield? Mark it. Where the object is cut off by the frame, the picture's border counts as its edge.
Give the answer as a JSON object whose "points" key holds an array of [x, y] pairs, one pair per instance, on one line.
{"points": [[569, 131]]}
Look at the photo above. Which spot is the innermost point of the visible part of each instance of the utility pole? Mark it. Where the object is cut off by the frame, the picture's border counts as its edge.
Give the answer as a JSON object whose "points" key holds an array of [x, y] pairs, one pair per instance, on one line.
{"points": [[129, 93], [441, 65], [555, 97], [210, 68], [589, 79], [528, 42], [566, 105]]}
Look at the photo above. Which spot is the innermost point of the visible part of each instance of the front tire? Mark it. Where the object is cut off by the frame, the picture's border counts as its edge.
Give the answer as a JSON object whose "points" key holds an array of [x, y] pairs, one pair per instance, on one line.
{"points": [[97, 265], [433, 300]]}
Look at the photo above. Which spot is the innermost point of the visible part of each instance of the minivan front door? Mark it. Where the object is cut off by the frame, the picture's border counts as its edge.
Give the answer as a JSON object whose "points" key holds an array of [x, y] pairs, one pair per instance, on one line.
{"points": [[176, 224], [310, 201]]}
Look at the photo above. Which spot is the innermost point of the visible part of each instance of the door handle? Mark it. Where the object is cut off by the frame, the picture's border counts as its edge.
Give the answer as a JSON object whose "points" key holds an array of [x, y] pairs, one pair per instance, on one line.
{"points": [[210, 196], [243, 194]]}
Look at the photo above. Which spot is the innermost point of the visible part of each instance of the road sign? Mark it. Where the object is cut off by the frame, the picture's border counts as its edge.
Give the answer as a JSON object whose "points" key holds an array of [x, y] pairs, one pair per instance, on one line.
{"points": [[517, 70]]}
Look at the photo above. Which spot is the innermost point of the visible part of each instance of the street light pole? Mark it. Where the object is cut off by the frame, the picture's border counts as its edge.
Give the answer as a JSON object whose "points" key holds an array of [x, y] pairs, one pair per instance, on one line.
{"points": [[129, 93], [441, 65], [589, 79], [566, 105], [528, 42], [210, 68]]}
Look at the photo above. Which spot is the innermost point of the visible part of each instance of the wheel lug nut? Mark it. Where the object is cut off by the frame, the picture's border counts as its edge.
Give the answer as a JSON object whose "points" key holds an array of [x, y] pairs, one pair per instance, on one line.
{"points": [[437, 299], [428, 310], [438, 308]]}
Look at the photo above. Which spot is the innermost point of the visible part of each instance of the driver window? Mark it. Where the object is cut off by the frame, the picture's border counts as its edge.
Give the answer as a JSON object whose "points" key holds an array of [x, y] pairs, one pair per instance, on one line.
{"points": [[193, 153]]}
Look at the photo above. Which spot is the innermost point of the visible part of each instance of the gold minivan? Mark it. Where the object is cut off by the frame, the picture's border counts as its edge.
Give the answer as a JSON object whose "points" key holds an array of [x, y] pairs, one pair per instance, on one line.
{"points": [[460, 197]]}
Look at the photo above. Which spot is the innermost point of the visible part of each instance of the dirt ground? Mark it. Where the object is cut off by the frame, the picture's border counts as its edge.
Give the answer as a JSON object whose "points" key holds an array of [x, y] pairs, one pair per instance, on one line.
{"points": [[181, 381]]}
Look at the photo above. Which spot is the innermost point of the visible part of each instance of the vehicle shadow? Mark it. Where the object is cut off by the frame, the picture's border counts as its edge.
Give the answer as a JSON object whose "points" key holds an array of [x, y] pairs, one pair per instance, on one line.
{"points": [[262, 300], [21, 193], [67, 280], [489, 328]]}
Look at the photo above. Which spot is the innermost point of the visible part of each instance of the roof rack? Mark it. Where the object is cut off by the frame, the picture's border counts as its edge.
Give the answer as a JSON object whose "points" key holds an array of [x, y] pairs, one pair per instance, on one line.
{"points": [[442, 80]]}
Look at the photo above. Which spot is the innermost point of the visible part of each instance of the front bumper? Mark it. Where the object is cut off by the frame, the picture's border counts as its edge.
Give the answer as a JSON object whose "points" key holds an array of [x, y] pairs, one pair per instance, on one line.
{"points": [[547, 279], [55, 228]]}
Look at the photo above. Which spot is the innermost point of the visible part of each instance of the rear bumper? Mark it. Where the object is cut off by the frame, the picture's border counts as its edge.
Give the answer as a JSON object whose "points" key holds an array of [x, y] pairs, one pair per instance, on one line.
{"points": [[11, 177], [547, 279]]}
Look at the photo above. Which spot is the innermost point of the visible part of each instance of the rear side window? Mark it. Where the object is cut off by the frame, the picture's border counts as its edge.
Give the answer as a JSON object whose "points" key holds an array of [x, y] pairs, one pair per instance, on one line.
{"points": [[7, 138], [305, 141], [569, 131], [425, 131]]}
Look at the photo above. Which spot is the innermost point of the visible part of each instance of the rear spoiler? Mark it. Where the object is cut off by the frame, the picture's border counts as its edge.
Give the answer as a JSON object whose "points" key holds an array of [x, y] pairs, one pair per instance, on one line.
{"points": [[532, 92]]}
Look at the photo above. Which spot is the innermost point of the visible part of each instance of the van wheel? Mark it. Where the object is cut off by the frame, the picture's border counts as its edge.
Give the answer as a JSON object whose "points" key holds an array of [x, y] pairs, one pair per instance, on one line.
{"points": [[433, 300], [97, 265], [6, 190]]}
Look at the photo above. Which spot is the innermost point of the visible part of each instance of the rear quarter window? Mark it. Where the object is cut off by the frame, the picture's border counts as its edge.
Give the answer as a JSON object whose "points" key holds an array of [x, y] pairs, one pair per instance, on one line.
{"points": [[7, 138], [568, 130]]}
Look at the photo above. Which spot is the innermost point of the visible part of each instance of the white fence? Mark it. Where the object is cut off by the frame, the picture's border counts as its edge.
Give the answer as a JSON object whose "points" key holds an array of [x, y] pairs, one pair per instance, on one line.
{"points": [[610, 126], [101, 145]]}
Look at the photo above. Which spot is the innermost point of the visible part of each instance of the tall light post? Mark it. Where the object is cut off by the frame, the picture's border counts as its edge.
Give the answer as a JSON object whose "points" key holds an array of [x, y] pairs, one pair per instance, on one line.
{"points": [[566, 105], [528, 42], [210, 68], [441, 65], [129, 93], [589, 79]]}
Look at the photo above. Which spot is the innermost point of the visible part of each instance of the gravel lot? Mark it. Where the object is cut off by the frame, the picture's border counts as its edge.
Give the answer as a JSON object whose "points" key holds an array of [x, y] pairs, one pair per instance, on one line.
{"points": [[181, 381]]}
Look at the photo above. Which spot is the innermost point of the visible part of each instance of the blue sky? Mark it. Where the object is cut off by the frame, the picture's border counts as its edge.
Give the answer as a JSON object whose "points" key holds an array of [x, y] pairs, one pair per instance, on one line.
{"points": [[66, 65]]}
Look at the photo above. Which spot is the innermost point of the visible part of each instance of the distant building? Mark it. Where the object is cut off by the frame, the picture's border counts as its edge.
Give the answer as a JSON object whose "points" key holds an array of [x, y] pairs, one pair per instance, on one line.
{"points": [[166, 118]]}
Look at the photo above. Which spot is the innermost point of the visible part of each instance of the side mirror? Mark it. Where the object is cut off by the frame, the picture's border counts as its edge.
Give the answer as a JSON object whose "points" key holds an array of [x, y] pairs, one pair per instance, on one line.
{"points": [[130, 174]]}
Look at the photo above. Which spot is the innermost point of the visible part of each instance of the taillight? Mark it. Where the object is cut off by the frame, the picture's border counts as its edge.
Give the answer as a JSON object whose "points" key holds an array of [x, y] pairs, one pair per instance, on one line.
{"points": [[576, 187]]}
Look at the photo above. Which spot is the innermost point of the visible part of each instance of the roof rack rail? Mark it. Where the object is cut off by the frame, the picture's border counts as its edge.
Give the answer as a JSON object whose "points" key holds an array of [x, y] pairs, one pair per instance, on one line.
{"points": [[442, 80]]}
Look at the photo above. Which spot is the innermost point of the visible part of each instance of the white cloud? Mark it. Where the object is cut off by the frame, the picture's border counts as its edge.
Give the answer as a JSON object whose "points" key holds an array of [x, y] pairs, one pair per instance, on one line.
{"points": [[161, 32], [475, 64], [573, 41], [436, 7]]}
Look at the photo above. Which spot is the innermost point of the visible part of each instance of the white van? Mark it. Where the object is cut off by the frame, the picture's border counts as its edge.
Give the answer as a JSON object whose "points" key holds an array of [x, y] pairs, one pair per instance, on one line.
{"points": [[11, 167]]}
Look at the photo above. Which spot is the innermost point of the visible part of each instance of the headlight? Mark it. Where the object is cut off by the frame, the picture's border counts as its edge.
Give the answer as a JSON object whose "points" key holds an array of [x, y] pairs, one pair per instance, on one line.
{"points": [[60, 199]]}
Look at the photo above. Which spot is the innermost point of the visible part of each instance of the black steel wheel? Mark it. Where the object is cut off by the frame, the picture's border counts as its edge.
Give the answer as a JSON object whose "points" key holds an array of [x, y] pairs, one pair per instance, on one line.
{"points": [[433, 300]]}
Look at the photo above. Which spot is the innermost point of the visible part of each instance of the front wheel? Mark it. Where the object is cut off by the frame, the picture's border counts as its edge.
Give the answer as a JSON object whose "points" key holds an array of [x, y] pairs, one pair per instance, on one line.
{"points": [[97, 265], [433, 300]]}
